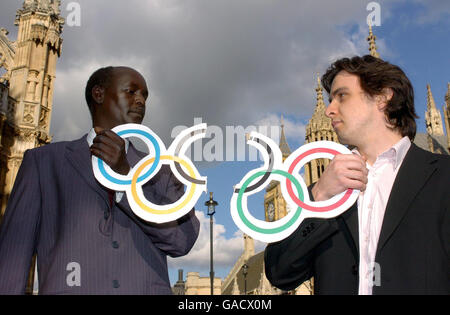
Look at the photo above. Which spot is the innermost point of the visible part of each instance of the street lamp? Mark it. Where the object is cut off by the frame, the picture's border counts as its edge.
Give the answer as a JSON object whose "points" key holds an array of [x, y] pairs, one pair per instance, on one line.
{"points": [[211, 204], [245, 273]]}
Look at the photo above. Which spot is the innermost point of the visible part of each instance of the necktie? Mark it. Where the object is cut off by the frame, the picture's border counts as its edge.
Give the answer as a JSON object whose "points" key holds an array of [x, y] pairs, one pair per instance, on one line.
{"points": [[111, 194]]}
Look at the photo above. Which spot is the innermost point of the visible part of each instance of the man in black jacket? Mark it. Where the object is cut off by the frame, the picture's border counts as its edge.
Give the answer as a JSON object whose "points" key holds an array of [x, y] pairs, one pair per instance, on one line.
{"points": [[396, 238]]}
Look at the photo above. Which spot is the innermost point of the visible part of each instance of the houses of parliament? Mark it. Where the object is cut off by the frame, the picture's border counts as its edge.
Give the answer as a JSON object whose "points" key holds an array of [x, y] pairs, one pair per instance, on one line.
{"points": [[27, 70]]}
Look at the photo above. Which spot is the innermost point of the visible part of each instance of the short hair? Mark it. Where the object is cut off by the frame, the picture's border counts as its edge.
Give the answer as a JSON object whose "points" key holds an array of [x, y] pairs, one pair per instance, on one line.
{"points": [[101, 77], [375, 75]]}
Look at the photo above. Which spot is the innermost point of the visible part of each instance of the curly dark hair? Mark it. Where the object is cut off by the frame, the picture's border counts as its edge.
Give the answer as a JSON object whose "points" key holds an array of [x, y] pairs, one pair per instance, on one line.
{"points": [[375, 75]]}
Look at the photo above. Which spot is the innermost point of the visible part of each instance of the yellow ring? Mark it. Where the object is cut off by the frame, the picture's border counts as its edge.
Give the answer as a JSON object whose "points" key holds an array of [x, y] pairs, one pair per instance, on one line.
{"points": [[169, 211]]}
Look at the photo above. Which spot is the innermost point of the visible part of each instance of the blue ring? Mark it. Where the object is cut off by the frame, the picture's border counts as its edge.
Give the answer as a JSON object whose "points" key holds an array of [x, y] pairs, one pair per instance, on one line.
{"points": [[114, 180]]}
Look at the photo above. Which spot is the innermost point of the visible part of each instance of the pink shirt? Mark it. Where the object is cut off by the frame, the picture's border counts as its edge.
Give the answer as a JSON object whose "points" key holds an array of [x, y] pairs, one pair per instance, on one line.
{"points": [[371, 207]]}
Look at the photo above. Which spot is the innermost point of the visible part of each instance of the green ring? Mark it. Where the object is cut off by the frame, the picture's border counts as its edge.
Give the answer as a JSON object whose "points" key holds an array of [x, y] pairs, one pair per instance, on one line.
{"points": [[273, 230]]}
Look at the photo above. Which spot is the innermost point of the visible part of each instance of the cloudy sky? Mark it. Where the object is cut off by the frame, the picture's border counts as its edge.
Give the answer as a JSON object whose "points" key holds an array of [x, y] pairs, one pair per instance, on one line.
{"points": [[236, 63]]}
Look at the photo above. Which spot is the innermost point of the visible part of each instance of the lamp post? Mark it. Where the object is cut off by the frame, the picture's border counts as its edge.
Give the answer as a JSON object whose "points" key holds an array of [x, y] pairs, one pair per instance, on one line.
{"points": [[245, 273], [211, 204]]}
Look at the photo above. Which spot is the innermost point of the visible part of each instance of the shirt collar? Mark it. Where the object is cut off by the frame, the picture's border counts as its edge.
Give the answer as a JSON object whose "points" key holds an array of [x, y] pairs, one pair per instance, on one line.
{"points": [[91, 135], [401, 148], [396, 153]]}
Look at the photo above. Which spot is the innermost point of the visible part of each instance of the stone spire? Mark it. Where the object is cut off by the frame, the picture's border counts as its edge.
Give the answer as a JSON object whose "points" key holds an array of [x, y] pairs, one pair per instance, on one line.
{"points": [[319, 91], [284, 146], [433, 119], [447, 96], [372, 45], [446, 110], [319, 127]]}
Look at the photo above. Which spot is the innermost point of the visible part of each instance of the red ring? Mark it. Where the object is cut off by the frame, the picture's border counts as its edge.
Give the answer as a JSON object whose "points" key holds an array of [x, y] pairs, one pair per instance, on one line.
{"points": [[304, 205]]}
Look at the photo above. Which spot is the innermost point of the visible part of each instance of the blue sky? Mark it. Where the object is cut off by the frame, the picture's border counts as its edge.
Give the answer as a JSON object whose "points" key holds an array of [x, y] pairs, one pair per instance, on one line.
{"points": [[236, 63]]}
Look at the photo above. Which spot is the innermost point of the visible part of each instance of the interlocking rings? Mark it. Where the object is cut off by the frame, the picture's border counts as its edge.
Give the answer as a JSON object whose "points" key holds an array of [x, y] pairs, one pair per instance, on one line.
{"points": [[287, 173], [149, 166]]}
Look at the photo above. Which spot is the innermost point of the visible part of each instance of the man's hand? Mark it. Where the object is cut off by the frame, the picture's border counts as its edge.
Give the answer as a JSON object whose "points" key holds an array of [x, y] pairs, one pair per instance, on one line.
{"points": [[109, 147], [346, 171]]}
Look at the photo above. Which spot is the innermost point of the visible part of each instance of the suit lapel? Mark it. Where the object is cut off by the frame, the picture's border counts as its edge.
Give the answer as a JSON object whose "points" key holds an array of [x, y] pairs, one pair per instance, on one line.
{"points": [[79, 156], [351, 220], [416, 169]]}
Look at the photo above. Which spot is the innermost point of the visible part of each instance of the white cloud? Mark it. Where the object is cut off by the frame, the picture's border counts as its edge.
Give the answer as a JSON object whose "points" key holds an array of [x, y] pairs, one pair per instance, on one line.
{"points": [[226, 250]]}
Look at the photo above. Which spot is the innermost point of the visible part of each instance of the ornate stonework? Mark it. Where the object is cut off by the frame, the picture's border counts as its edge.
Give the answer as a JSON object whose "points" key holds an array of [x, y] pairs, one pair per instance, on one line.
{"points": [[372, 44], [435, 139], [446, 110], [30, 64], [196, 285], [433, 117], [318, 128], [275, 206]]}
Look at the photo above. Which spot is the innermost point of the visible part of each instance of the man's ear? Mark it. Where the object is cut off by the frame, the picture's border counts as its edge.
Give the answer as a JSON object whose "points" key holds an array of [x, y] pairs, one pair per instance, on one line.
{"points": [[384, 98], [98, 94]]}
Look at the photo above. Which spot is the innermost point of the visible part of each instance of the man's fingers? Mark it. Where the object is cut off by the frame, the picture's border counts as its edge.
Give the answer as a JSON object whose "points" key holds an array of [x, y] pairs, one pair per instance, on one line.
{"points": [[349, 161], [98, 129], [353, 165], [101, 154], [356, 175], [107, 141], [109, 134], [355, 184], [350, 158]]}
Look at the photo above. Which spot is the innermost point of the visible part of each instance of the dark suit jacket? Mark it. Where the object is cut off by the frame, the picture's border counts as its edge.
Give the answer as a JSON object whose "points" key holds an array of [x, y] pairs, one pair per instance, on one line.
{"points": [[413, 249], [58, 210]]}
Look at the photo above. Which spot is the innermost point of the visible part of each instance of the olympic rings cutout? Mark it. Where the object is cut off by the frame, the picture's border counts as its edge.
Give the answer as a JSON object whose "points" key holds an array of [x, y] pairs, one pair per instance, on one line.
{"points": [[149, 166], [287, 173]]}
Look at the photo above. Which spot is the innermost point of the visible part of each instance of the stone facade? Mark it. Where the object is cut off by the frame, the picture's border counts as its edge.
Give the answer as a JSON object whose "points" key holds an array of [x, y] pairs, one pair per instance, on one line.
{"points": [[196, 285], [27, 85]]}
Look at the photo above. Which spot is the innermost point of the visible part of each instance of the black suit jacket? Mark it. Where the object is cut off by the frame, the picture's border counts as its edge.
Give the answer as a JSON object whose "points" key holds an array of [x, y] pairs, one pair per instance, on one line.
{"points": [[413, 249]]}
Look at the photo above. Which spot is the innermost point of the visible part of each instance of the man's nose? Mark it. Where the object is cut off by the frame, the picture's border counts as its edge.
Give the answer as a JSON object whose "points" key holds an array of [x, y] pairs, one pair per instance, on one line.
{"points": [[140, 99], [331, 109]]}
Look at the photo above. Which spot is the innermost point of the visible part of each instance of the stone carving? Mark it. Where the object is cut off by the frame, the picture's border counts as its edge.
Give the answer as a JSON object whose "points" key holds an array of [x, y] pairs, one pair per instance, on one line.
{"points": [[28, 114]]}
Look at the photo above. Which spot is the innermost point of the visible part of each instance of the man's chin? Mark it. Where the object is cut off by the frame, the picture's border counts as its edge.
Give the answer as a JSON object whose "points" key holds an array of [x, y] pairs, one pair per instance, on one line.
{"points": [[135, 119], [343, 140]]}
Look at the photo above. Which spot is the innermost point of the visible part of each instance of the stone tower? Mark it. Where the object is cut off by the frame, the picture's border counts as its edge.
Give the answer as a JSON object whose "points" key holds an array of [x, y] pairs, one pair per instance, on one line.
{"points": [[433, 117], [446, 110], [319, 128], [275, 207], [26, 88], [249, 247]]}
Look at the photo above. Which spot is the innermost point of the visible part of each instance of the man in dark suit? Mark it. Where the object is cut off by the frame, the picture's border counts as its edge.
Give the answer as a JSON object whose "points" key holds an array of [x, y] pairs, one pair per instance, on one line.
{"points": [[87, 239], [396, 238]]}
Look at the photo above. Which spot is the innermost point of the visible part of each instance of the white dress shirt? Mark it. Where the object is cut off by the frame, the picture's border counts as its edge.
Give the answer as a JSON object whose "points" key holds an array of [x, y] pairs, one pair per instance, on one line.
{"points": [[371, 207], [90, 140]]}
